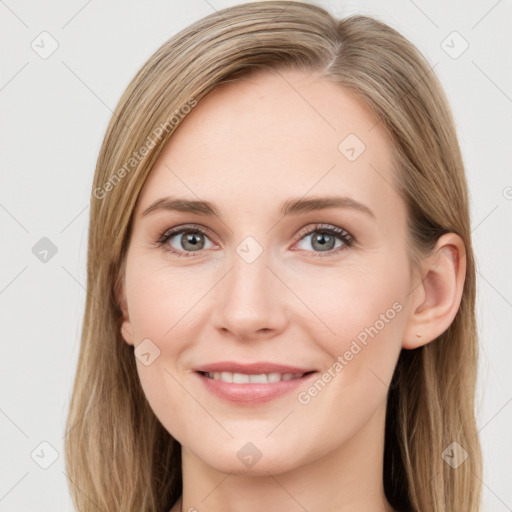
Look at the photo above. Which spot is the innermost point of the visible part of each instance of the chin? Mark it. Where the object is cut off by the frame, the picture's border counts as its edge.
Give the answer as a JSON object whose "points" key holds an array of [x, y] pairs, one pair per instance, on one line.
{"points": [[269, 463], [242, 457]]}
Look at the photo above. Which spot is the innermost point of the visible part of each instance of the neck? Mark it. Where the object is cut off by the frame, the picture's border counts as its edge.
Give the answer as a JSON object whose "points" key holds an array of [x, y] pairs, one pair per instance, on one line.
{"points": [[348, 479]]}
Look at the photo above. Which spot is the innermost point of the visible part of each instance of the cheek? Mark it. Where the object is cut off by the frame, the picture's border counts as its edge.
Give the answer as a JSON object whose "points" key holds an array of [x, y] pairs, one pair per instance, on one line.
{"points": [[164, 307], [355, 303], [362, 315], [160, 301], [366, 312]]}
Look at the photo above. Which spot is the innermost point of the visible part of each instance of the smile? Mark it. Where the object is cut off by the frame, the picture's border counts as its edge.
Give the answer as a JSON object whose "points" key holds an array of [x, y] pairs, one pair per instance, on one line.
{"points": [[261, 378], [251, 384]]}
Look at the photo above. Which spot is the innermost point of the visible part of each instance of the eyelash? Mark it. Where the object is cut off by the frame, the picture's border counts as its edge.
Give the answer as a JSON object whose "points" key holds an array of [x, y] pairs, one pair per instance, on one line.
{"points": [[340, 233]]}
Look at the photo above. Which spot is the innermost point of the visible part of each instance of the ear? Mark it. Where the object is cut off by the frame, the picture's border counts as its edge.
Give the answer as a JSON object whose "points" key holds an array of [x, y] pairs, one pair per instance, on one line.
{"points": [[126, 326], [436, 299]]}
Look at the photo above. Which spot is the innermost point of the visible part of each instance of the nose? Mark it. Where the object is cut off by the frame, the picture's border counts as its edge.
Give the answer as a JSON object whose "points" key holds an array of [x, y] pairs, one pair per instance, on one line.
{"points": [[251, 300]]}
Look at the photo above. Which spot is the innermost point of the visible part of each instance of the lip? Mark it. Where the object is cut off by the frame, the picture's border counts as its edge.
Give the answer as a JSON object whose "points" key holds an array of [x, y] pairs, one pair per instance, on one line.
{"points": [[251, 394], [250, 368]]}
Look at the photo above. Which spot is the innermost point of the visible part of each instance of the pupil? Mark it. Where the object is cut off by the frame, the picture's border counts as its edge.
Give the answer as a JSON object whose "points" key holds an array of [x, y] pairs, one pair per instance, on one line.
{"points": [[324, 239], [192, 240]]}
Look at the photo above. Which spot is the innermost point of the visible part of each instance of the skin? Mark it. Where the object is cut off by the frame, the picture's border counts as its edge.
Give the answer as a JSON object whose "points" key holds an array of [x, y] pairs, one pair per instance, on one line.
{"points": [[248, 147]]}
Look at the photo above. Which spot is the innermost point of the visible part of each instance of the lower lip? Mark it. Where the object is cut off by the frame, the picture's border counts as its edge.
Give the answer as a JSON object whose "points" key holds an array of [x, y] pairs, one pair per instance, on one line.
{"points": [[252, 394]]}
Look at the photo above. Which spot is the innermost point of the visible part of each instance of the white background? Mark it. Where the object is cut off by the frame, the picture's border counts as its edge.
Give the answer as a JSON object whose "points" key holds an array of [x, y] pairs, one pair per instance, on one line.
{"points": [[53, 116]]}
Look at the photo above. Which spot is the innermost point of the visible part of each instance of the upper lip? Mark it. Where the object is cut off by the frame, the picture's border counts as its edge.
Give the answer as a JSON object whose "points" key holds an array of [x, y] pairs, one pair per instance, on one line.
{"points": [[250, 368]]}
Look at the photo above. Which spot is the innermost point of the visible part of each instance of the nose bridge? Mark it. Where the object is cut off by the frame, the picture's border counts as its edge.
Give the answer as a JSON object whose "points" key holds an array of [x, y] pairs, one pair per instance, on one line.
{"points": [[249, 277], [251, 297]]}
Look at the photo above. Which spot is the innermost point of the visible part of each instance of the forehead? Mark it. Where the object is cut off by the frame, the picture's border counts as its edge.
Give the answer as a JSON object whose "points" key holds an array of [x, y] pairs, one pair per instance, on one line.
{"points": [[273, 135]]}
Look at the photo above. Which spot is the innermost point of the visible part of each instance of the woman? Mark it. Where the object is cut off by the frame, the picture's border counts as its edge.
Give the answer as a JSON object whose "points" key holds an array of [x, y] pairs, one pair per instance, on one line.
{"points": [[281, 284]]}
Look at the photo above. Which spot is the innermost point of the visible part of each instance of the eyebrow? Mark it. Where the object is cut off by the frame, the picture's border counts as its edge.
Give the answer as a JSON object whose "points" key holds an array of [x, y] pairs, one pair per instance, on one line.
{"points": [[294, 206]]}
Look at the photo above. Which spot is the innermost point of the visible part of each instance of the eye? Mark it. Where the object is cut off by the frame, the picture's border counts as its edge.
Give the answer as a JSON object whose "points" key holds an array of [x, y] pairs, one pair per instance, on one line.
{"points": [[189, 239], [185, 240], [325, 238]]}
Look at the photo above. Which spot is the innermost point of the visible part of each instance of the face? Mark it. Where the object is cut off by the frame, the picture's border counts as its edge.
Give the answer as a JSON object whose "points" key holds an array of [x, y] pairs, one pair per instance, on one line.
{"points": [[300, 300]]}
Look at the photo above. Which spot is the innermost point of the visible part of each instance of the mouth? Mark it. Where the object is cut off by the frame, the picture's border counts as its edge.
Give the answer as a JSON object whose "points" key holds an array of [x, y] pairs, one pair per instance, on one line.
{"points": [[251, 384], [258, 378]]}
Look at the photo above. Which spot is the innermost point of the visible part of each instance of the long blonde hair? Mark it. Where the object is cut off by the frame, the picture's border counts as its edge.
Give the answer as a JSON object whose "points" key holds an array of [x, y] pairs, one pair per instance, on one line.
{"points": [[118, 455]]}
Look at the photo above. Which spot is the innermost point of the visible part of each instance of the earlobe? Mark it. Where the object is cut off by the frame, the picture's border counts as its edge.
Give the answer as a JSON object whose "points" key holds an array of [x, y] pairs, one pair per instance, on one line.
{"points": [[126, 332], [126, 326], [436, 299]]}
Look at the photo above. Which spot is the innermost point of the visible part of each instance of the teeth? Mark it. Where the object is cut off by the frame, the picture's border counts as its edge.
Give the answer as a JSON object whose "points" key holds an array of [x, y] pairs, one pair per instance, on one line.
{"points": [[243, 378], [258, 379], [240, 378], [226, 376]]}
